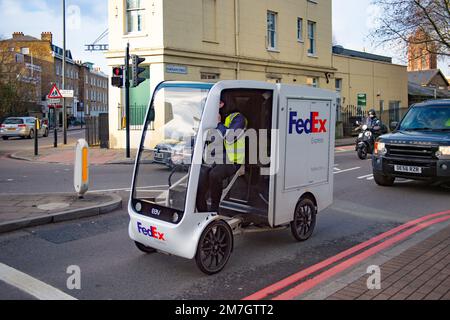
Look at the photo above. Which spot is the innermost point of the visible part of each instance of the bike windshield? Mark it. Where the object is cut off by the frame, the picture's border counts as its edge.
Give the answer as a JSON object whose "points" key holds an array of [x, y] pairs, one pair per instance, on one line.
{"points": [[163, 168], [427, 119]]}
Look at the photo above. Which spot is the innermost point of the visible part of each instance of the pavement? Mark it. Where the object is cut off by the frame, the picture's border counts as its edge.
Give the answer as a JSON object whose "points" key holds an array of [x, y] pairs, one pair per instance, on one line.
{"points": [[66, 155], [20, 211], [422, 272]]}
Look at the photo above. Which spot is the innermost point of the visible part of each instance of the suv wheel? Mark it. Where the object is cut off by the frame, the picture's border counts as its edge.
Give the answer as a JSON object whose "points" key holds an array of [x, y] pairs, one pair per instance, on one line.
{"points": [[384, 181], [5, 138]]}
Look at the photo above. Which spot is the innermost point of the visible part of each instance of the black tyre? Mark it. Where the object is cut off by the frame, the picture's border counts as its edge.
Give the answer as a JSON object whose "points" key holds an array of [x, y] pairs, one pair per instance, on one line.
{"points": [[31, 135], [384, 181], [362, 152], [46, 133], [144, 249], [5, 138], [304, 222], [214, 248]]}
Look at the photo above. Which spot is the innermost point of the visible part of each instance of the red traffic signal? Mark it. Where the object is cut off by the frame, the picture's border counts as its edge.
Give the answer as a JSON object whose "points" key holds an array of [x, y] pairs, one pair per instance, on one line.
{"points": [[118, 71], [117, 78]]}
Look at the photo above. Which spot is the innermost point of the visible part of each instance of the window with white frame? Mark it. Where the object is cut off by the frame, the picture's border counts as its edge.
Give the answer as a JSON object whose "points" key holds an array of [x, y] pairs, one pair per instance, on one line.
{"points": [[338, 85], [312, 37], [135, 16], [271, 30], [300, 29], [209, 76]]}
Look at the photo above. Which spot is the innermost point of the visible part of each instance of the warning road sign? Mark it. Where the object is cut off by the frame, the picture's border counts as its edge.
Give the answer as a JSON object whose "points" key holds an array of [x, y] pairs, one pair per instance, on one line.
{"points": [[54, 93]]}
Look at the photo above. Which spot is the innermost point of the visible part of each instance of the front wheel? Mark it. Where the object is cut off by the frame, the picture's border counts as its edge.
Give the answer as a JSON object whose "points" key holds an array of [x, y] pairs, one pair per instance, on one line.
{"points": [[362, 152], [384, 181], [144, 249], [304, 222], [214, 248]]}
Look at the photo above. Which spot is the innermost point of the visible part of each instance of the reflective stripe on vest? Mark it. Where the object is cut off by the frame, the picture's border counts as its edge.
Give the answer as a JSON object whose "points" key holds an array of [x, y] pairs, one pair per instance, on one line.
{"points": [[235, 150]]}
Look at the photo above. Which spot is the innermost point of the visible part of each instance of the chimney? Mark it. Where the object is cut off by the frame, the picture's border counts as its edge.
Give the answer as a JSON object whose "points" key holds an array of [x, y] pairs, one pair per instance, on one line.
{"points": [[17, 35], [47, 36]]}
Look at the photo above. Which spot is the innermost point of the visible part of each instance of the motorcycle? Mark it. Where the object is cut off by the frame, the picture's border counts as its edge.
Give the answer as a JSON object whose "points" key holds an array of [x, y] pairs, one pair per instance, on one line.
{"points": [[365, 142]]}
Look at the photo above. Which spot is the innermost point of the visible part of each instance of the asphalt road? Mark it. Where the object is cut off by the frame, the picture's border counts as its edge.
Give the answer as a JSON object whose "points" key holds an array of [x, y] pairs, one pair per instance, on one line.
{"points": [[112, 268]]}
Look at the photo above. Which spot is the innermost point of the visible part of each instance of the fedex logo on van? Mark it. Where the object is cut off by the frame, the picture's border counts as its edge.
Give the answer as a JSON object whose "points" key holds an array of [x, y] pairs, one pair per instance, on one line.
{"points": [[312, 125], [152, 232]]}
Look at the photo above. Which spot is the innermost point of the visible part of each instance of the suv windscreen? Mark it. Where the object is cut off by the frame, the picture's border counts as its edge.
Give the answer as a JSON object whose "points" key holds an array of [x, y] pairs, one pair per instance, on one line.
{"points": [[13, 121], [427, 119]]}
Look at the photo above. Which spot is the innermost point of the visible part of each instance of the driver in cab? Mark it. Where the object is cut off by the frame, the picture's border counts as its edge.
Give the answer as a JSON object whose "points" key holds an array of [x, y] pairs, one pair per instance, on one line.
{"points": [[232, 131]]}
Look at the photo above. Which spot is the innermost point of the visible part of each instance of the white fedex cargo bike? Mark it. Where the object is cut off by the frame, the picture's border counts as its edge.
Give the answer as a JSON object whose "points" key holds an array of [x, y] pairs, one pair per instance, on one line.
{"points": [[297, 125]]}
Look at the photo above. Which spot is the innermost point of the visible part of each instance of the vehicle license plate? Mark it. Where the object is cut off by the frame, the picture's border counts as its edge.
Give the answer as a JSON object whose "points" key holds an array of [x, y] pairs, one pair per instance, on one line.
{"points": [[408, 169]]}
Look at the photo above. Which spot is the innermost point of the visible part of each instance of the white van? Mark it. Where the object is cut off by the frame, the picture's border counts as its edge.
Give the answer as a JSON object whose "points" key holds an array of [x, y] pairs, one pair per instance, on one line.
{"points": [[294, 131]]}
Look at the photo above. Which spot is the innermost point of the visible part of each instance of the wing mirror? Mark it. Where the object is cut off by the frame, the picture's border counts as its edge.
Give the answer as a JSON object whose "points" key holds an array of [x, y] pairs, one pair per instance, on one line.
{"points": [[394, 125]]}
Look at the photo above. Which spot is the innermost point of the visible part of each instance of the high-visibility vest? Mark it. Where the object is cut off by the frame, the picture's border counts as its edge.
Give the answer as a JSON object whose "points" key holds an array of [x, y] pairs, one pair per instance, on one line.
{"points": [[236, 149], [447, 124]]}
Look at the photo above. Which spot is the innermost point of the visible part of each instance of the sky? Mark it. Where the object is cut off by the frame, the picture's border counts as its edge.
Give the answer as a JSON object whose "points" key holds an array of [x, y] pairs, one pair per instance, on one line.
{"points": [[87, 19]]}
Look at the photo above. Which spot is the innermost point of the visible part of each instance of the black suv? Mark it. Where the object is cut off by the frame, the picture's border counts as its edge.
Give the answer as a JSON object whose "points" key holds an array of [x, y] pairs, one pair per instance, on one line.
{"points": [[418, 148]]}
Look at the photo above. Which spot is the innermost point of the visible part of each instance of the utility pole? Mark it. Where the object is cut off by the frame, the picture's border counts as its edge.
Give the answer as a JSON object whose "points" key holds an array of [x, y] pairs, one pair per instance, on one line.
{"points": [[64, 73], [127, 99]]}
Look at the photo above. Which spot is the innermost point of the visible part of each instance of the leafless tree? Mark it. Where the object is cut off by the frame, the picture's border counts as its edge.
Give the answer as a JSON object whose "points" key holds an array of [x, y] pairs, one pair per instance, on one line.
{"points": [[423, 22]]}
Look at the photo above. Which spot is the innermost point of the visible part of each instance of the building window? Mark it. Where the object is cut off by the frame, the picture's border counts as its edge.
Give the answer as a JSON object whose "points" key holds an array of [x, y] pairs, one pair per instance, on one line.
{"points": [[135, 16], [312, 37], [271, 30], [338, 85], [209, 76], [300, 29], [209, 20], [312, 82]]}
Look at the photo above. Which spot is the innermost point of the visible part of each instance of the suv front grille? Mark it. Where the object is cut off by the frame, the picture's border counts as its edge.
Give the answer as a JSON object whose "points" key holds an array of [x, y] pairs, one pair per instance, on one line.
{"points": [[412, 151]]}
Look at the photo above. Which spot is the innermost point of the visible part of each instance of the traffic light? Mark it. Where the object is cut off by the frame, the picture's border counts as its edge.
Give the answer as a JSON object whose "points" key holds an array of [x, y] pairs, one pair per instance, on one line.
{"points": [[117, 77], [136, 71]]}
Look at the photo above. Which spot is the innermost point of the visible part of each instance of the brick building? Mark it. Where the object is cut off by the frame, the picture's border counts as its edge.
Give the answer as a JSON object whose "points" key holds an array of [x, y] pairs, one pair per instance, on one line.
{"points": [[49, 57]]}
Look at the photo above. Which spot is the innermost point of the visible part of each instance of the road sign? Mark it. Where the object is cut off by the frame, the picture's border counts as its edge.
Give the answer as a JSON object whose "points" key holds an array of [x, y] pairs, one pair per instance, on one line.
{"points": [[362, 100], [55, 93], [66, 93]]}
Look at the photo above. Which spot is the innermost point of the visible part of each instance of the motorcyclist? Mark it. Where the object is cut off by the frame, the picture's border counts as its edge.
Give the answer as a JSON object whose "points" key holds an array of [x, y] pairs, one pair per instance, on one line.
{"points": [[373, 122]]}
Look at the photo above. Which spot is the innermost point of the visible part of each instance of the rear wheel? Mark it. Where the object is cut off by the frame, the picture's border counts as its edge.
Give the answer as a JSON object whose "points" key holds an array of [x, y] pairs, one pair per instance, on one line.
{"points": [[304, 222], [384, 181], [31, 135], [214, 248], [144, 249]]}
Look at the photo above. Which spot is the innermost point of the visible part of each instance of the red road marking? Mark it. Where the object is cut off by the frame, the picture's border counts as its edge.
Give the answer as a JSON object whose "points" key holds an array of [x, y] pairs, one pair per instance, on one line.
{"points": [[304, 273], [307, 285]]}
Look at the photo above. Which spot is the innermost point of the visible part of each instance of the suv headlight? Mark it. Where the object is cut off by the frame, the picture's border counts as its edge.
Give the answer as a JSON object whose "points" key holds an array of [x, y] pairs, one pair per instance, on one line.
{"points": [[380, 148], [443, 153]]}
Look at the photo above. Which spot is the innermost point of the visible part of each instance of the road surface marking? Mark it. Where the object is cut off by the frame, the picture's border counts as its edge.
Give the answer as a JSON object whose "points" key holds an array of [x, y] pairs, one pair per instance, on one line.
{"points": [[30, 285], [347, 170], [128, 189], [337, 169], [309, 284], [365, 177], [274, 288]]}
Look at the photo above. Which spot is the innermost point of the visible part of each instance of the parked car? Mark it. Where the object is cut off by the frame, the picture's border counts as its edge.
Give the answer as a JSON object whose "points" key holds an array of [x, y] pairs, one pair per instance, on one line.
{"points": [[22, 127], [418, 148], [163, 152]]}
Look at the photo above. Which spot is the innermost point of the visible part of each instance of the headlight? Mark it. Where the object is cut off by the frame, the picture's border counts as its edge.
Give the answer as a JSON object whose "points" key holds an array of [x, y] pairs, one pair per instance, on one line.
{"points": [[380, 148], [365, 127], [443, 153], [360, 135], [368, 134]]}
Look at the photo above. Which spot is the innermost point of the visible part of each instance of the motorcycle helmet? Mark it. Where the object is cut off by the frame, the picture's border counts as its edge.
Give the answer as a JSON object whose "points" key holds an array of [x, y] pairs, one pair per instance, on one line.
{"points": [[372, 113]]}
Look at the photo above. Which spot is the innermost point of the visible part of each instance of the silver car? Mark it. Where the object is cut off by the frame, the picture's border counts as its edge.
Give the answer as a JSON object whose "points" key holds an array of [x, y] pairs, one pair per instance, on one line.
{"points": [[22, 127]]}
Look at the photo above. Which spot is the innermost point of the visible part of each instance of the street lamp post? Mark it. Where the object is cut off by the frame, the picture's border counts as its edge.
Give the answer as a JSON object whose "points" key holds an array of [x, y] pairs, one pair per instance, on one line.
{"points": [[64, 73]]}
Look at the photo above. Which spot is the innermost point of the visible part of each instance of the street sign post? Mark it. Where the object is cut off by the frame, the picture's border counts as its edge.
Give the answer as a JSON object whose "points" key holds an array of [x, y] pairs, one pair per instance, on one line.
{"points": [[54, 97]]}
